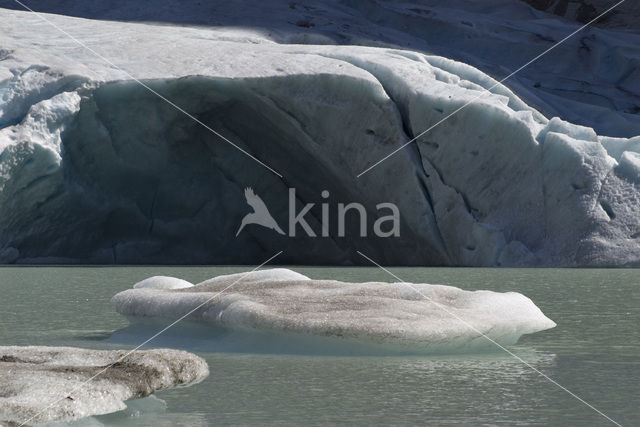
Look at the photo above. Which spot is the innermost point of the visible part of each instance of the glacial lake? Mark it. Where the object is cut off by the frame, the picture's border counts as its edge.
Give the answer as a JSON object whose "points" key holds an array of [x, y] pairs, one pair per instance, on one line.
{"points": [[594, 352]]}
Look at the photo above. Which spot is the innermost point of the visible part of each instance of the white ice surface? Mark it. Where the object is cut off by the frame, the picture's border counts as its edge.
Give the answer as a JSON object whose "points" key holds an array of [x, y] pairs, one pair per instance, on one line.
{"points": [[412, 317], [162, 282], [34, 378], [271, 274], [590, 79]]}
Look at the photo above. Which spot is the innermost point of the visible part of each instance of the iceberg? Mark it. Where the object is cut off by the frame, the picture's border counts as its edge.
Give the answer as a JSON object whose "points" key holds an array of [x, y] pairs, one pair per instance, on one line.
{"points": [[95, 168], [34, 378], [382, 317], [162, 282]]}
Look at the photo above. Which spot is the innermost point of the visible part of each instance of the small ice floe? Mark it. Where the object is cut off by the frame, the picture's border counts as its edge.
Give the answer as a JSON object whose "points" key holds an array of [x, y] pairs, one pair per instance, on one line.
{"points": [[396, 317], [45, 384], [162, 282]]}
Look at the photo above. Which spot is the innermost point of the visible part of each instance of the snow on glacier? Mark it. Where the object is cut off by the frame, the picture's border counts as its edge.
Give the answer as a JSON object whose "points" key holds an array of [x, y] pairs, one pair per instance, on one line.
{"points": [[95, 168], [396, 316], [591, 79], [33, 378]]}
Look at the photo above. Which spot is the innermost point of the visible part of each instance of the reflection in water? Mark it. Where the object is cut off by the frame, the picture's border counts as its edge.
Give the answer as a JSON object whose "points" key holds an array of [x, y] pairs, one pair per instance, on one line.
{"points": [[201, 337], [266, 386], [150, 411], [381, 390]]}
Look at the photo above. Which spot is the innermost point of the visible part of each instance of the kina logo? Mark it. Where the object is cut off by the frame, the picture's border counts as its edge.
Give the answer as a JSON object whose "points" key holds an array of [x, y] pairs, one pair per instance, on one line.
{"points": [[260, 214], [384, 226]]}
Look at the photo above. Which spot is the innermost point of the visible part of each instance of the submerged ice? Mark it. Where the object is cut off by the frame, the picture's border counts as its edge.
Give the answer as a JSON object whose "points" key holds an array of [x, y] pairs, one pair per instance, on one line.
{"points": [[94, 168], [44, 384], [398, 317]]}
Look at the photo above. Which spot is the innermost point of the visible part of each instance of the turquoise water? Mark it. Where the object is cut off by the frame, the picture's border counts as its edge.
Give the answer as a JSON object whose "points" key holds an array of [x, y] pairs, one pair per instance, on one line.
{"points": [[594, 352]]}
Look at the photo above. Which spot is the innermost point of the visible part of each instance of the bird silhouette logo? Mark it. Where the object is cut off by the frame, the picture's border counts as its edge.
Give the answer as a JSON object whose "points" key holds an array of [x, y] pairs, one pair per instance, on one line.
{"points": [[260, 214]]}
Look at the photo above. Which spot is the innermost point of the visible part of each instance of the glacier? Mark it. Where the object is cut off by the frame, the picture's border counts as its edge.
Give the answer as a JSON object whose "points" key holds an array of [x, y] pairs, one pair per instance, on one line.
{"points": [[591, 79], [94, 168], [35, 377], [279, 305]]}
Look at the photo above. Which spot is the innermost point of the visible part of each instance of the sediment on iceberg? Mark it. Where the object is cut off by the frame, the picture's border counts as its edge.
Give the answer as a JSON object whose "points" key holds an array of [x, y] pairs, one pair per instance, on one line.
{"points": [[387, 317], [96, 169], [45, 384]]}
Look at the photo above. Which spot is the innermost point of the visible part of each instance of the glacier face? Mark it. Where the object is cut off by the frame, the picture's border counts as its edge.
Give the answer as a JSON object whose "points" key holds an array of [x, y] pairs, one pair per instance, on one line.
{"points": [[33, 378], [391, 317], [96, 168], [626, 16]]}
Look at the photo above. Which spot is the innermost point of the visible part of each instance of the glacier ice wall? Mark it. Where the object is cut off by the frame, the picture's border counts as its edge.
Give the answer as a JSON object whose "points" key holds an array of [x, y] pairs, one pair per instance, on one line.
{"points": [[96, 168], [624, 17]]}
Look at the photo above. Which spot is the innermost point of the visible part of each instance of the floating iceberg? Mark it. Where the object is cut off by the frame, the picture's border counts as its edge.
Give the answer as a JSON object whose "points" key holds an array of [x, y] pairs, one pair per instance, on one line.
{"points": [[395, 317], [33, 378], [162, 282], [95, 168]]}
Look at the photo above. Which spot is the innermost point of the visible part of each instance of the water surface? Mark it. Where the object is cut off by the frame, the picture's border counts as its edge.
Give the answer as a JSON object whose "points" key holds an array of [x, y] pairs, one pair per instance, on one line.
{"points": [[594, 352]]}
